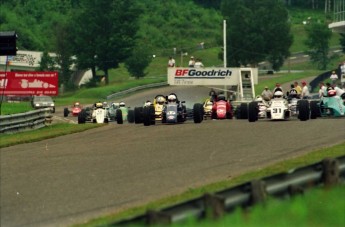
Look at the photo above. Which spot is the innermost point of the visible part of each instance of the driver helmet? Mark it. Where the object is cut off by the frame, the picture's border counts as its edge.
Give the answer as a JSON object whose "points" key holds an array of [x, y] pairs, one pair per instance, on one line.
{"points": [[122, 104], [160, 100], [147, 103], [105, 103], [221, 97], [331, 93], [259, 99], [76, 104], [278, 94], [172, 98]]}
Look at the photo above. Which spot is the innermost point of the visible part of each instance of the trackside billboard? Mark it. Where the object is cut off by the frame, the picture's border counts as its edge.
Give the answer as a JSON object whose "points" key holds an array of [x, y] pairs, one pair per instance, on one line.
{"points": [[209, 76], [29, 83]]}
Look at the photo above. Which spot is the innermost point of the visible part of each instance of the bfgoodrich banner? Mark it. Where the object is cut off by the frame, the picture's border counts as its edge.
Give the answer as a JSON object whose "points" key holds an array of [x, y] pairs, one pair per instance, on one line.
{"points": [[209, 76]]}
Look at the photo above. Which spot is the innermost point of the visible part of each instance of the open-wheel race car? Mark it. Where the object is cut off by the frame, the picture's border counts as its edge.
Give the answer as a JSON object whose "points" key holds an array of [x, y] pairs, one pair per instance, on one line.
{"points": [[174, 111], [98, 113], [279, 108], [221, 109], [328, 106], [123, 113], [75, 110], [156, 107]]}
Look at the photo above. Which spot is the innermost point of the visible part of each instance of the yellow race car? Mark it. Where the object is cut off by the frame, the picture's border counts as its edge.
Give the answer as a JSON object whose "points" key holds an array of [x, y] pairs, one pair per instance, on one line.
{"points": [[207, 108]]}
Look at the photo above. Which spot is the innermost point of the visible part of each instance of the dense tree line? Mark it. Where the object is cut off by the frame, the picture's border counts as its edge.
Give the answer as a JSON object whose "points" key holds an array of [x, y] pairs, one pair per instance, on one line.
{"points": [[100, 34]]}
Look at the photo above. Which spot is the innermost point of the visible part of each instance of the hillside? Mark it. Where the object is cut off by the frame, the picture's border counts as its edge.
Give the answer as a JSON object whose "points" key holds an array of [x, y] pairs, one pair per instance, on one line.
{"points": [[170, 27]]}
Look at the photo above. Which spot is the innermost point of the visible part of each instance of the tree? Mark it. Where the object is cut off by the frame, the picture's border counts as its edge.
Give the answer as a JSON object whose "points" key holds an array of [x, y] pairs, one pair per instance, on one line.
{"points": [[318, 43], [47, 63], [140, 58], [342, 41], [257, 31], [104, 33]]}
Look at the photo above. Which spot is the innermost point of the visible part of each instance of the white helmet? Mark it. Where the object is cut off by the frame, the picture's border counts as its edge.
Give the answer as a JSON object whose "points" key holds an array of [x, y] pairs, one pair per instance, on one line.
{"points": [[258, 99], [148, 103], [172, 98], [160, 99], [122, 104], [278, 94]]}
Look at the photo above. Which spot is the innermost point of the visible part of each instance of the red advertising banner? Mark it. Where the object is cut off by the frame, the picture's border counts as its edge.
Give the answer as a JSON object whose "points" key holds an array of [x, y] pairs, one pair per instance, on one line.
{"points": [[29, 83]]}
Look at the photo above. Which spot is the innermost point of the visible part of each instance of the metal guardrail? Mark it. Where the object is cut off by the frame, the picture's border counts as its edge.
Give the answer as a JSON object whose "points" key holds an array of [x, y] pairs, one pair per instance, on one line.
{"points": [[25, 121], [325, 173], [121, 93]]}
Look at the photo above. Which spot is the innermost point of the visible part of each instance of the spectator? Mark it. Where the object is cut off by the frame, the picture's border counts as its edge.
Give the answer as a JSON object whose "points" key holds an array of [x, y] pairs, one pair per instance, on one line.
{"points": [[293, 92], [278, 87], [339, 92], [198, 64], [171, 62], [323, 90], [191, 62], [298, 89], [334, 77], [305, 90], [329, 87], [266, 94], [213, 95], [342, 69]]}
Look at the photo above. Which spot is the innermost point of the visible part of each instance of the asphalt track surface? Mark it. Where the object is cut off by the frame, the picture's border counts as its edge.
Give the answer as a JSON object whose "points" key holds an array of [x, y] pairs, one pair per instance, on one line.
{"points": [[72, 178]]}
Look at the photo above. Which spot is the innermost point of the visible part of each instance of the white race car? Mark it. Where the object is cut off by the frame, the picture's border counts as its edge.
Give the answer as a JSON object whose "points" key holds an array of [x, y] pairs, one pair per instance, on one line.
{"points": [[277, 109]]}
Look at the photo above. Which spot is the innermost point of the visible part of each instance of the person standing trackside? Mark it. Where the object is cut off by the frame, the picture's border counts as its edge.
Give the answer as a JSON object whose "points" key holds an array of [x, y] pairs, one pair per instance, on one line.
{"points": [[266, 94], [298, 89], [191, 62], [333, 77], [198, 63], [171, 62], [305, 90], [323, 90], [278, 87]]}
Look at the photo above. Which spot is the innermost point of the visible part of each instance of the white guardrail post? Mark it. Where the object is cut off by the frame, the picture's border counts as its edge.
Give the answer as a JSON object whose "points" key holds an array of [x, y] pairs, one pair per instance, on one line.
{"points": [[25, 121]]}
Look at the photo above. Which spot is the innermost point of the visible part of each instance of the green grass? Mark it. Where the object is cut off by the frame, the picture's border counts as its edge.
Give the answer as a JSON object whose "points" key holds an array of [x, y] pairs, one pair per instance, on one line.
{"points": [[13, 108], [312, 157], [318, 207], [47, 132]]}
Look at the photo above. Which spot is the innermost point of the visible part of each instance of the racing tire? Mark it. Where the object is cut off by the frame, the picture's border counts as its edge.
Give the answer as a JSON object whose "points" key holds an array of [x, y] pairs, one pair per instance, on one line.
{"points": [[253, 111], [303, 110], [82, 117], [152, 115], [198, 113], [146, 116], [119, 118], [65, 112], [314, 110], [138, 115], [243, 111], [130, 116], [164, 118]]}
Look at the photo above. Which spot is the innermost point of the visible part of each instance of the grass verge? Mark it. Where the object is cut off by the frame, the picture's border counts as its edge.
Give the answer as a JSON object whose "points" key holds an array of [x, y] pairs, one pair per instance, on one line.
{"points": [[47, 132], [284, 166]]}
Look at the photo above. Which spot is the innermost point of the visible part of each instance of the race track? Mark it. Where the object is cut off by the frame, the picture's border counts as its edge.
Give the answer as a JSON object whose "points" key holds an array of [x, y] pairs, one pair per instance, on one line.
{"points": [[73, 178]]}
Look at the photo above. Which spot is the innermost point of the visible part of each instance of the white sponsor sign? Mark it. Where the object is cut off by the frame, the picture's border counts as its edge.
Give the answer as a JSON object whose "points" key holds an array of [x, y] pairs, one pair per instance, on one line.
{"points": [[210, 76]]}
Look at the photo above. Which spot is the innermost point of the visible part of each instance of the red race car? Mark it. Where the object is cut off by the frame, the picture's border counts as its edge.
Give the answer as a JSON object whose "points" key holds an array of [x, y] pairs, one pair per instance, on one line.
{"points": [[221, 109], [76, 108]]}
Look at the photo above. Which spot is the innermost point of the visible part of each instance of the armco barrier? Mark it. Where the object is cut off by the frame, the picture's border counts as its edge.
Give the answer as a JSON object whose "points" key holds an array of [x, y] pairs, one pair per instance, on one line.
{"points": [[325, 173], [25, 121], [117, 94]]}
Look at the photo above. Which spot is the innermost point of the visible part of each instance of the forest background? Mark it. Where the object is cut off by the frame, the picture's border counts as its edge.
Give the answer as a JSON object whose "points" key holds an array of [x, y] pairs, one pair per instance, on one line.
{"points": [[118, 39]]}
